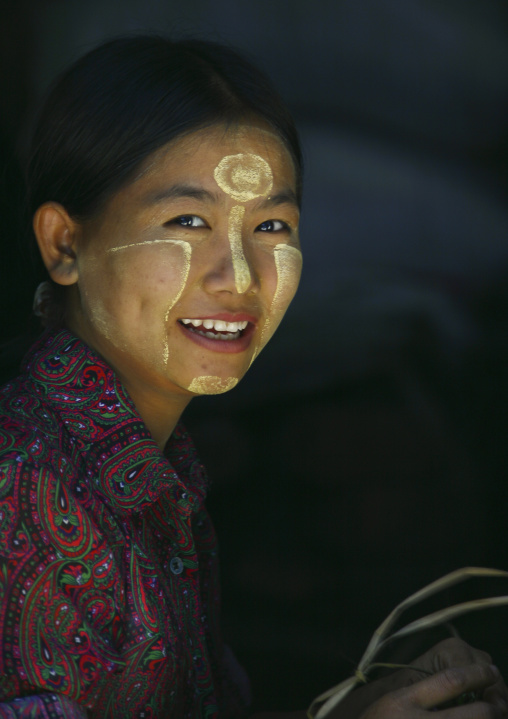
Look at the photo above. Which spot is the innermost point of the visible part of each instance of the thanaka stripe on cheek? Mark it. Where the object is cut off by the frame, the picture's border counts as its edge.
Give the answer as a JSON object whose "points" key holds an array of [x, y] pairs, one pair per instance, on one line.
{"points": [[288, 262], [141, 244], [184, 270], [184, 276]]}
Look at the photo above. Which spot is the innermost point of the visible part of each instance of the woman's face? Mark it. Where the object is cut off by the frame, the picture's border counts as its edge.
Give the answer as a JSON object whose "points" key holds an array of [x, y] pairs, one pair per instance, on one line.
{"points": [[189, 269]]}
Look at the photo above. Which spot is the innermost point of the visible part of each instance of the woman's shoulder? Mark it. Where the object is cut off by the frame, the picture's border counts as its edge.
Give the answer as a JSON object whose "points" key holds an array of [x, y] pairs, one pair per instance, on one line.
{"points": [[30, 402], [32, 458], [26, 420]]}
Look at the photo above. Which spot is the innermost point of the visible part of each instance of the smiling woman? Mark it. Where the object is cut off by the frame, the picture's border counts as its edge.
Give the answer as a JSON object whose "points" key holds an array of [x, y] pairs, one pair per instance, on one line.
{"points": [[143, 277], [165, 186]]}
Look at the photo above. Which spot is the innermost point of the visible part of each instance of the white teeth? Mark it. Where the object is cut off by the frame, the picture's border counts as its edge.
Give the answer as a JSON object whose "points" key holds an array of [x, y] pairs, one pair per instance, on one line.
{"points": [[217, 325], [213, 336]]}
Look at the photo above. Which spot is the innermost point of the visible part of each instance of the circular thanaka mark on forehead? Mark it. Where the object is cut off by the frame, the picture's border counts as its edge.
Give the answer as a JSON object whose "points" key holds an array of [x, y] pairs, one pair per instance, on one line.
{"points": [[244, 176]]}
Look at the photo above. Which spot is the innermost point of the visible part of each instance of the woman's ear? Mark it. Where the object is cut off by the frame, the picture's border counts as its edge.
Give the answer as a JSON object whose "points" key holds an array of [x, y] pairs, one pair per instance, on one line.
{"points": [[56, 234]]}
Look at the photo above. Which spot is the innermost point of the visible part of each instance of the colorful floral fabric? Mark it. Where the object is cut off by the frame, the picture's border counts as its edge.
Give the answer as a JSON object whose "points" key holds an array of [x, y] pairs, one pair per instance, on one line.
{"points": [[108, 567]]}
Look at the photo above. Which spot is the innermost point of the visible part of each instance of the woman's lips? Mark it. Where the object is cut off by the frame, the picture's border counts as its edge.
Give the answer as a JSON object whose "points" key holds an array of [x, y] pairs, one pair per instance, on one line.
{"points": [[201, 335]]}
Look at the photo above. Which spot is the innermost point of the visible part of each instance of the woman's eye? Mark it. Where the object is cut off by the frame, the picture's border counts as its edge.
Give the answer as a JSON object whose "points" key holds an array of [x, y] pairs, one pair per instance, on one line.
{"points": [[272, 226], [187, 221]]}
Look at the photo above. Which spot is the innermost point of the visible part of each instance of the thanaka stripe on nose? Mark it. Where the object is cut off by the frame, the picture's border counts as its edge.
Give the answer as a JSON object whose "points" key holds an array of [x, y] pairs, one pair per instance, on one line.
{"points": [[240, 266]]}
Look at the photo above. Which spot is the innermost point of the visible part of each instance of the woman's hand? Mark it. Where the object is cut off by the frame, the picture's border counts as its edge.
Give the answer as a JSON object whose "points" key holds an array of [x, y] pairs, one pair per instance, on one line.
{"points": [[455, 669], [456, 653], [420, 692], [419, 699]]}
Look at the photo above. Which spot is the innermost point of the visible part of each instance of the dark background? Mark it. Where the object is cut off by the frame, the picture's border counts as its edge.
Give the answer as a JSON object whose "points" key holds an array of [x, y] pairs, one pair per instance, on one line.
{"points": [[365, 454]]}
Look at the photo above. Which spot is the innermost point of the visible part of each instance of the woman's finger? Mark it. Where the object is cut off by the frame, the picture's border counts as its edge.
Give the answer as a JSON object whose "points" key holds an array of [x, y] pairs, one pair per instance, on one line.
{"points": [[455, 652], [452, 652], [477, 710], [497, 694], [449, 684]]}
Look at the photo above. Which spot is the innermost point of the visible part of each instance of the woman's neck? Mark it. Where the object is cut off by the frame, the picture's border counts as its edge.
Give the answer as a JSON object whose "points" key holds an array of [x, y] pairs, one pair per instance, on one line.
{"points": [[158, 411]]}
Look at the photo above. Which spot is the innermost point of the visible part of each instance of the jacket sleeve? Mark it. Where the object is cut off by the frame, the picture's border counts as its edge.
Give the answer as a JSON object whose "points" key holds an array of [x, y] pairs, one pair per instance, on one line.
{"points": [[42, 706], [59, 596]]}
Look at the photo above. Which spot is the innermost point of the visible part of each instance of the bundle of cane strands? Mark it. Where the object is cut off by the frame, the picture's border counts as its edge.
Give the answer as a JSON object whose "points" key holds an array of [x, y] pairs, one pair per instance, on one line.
{"points": [[324, 704]]}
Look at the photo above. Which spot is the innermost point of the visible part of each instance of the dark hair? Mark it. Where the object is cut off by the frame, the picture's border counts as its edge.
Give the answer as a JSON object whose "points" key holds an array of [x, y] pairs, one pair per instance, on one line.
{"points": [[126, 98]]}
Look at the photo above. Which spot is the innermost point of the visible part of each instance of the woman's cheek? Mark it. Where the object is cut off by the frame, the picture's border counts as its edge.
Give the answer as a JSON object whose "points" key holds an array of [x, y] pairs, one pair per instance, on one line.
{"points": [[151, 286], [180, 263], [98, 285], [128, 294], [288, 264]]}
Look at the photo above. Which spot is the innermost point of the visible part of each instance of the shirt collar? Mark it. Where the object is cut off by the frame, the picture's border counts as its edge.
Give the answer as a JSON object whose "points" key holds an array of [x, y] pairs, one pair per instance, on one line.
{"points": [[99, 422]]}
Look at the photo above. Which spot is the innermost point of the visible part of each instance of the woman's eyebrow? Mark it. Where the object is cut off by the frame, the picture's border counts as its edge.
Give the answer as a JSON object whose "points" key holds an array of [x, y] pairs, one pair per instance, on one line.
{"points": [[178, 191], [181, 190], [285, 197]]}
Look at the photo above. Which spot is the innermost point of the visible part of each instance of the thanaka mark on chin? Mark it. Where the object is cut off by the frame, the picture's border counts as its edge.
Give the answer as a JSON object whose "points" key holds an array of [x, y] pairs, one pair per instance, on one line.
{"points": [[210, 384]]}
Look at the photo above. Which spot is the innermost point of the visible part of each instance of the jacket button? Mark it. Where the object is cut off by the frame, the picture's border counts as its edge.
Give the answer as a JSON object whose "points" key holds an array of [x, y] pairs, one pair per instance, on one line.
{"points": [[176, 565]]}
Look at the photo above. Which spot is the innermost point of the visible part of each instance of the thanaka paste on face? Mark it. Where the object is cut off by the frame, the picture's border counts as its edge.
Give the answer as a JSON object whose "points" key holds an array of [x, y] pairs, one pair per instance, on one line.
{"points": [[183, 270], [133, 297], [97, 311], [209, 384], [288, 262], [187, 252], [243, 177], [240, 265], [146, 242]]}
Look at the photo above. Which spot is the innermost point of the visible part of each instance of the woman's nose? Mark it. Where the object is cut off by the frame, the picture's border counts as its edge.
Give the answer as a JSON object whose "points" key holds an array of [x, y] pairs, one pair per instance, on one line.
{"points": [[231, 269], [241, 267]]}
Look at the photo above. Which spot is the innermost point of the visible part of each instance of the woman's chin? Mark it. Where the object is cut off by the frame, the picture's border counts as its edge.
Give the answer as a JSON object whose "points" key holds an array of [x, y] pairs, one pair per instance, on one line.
{"points": [[212, 384]]}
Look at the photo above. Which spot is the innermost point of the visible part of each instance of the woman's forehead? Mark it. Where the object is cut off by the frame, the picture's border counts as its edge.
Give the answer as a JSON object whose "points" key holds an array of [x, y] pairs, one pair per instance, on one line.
{"points": [[191, 164], [202, 150]]}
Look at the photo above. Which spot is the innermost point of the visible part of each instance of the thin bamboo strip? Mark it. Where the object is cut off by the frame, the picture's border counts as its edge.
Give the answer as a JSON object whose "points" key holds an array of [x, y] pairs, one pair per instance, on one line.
{"points": [[326, 702]]}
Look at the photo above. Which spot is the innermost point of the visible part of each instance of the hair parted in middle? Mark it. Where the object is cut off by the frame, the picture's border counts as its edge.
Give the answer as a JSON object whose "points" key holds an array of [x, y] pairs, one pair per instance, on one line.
{"points": [[130, 96]]}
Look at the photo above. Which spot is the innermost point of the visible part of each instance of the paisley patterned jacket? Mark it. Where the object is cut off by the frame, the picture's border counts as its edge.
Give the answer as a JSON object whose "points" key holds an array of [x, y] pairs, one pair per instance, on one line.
{"points": [[108, 570]]}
